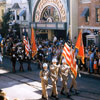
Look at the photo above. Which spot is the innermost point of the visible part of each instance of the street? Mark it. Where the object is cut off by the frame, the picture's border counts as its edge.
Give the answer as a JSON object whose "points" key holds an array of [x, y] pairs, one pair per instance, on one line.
{"points": [[26, 85]]}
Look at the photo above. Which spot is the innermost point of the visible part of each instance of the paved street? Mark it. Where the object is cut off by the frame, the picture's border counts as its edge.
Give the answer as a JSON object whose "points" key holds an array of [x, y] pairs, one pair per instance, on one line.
{"points": [[26, 85]]}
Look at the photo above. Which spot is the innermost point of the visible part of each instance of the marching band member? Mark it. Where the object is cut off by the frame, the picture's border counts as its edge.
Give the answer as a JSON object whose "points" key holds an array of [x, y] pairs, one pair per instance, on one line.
{"points": [[64, 72], [54, 68], [44, 74]]}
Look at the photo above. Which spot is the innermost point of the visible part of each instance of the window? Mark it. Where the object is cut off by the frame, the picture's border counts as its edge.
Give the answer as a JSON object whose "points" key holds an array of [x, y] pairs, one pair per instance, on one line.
{"points": [[13, 17], [97, 14], [85, 14], [50, 14], [86, 18], [24, 17], [17, 17], [85, 1]]}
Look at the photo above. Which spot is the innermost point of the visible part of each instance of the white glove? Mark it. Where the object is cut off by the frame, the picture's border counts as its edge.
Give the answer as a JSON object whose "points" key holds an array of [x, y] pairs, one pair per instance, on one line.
{"points": [[79, 75], [72, 76], [60, 79], [45, 78], [58, 66]]}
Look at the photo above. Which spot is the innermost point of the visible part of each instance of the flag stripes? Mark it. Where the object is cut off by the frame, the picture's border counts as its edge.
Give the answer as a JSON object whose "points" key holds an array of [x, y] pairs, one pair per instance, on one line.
{"points": [[69, 56], [27, 46], [66, 53]]}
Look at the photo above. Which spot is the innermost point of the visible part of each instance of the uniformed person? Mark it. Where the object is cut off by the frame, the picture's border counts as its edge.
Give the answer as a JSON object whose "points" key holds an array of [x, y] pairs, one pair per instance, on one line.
{"points": [[20, 53], [64, 73], [74, 83], [13, 58], [54, 68], [28, 59], [40, 56], [44, 74]]}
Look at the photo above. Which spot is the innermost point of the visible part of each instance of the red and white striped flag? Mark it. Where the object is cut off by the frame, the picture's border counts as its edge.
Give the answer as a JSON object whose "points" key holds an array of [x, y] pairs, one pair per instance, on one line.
{"points": [[66, 53], [73, 65], [69, 56], [27, 46]]}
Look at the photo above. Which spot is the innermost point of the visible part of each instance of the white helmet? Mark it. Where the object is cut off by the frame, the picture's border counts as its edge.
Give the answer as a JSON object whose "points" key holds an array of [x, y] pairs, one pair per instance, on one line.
{"points": [[54, 60], [63, 61], [45, 65]]}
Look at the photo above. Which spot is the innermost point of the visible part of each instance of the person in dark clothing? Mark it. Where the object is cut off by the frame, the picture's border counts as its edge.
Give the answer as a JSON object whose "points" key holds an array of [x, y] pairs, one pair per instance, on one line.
{"points": [[13, 58], [40, 56], [20, 53]]}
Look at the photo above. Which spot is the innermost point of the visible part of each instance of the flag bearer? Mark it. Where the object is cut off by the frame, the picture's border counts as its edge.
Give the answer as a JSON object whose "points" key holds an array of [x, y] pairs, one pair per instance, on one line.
{"points": [[54, 68], [44, 74], [74, 83], [64, 72]]}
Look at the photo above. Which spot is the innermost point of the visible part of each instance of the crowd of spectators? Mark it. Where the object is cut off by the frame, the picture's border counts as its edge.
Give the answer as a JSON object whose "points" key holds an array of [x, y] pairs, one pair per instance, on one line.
{"points": [[47, 50], [92, 59]]}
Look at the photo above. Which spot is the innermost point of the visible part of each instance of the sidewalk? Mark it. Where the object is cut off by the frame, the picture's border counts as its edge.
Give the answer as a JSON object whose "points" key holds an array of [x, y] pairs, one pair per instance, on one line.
{"points": [[96, 76]]}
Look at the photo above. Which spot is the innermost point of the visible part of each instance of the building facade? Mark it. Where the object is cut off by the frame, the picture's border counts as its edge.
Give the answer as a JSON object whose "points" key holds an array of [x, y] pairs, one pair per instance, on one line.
{"points": [[20, 13], [51, 17], [2, 9], [89, 21]]}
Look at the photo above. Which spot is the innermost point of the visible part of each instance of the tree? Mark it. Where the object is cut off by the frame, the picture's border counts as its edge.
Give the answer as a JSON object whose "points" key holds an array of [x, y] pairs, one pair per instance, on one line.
{"points": [[5, 23]]}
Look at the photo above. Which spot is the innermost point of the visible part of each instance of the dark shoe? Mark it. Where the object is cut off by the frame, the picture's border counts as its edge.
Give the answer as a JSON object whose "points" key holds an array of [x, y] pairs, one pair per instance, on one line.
{"points": [[14, 71], [43, 97], [68, 95], [52, 95], [29, 69], [70, 90], [56, 97], [62, 93], [21, 69], [76, 92]]}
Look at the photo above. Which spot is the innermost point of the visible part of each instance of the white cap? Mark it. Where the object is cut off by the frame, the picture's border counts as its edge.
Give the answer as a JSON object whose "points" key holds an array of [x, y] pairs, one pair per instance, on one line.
{"points": [[54, 60], [45, 65], [63, 61]]}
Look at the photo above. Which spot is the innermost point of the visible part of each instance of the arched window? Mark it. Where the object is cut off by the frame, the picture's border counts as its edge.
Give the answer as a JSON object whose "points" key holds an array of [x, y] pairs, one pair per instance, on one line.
{"points": [[50, 14]]}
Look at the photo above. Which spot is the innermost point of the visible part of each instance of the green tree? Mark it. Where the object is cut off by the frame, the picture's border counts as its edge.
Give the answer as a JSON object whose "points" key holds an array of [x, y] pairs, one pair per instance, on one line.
{"points": [[5, 23]]}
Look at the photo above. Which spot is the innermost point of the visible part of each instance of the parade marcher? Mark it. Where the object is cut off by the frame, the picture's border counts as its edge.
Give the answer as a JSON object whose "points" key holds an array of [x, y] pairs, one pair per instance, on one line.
{"points": [[64, 72], [13, 57], [74, 83], [28, 59], [44, 74], [54, 69], [40, 56], [20, 53]]}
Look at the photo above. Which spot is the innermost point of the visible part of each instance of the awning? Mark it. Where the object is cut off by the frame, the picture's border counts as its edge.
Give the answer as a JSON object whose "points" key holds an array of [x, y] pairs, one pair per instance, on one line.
{"points": [[16, 6], [85, 12], [22, 13]]}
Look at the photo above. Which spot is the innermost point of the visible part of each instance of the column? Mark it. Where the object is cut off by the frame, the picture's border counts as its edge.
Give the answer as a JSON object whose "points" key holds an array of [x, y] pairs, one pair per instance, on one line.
{"points": [[50, 34]]}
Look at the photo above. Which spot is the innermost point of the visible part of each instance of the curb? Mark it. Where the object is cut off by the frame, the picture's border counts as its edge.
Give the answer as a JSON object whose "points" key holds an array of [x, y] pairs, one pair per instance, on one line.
{"points": [[95, 76]]}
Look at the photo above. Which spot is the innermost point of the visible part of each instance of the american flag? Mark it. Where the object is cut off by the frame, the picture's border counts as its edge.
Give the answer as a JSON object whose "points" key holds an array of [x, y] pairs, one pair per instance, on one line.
{"points": [[69, 55], [66, 53], [27, 46]]}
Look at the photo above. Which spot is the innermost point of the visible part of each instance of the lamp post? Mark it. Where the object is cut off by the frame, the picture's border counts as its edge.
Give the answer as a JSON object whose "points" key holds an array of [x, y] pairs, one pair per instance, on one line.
{"points": [[30, 15], [30, 11]]}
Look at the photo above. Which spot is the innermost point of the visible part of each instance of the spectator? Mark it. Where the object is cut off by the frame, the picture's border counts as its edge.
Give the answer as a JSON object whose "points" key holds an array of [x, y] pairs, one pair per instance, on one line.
{"points": [[91, 61]]}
